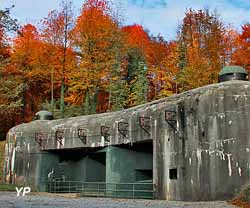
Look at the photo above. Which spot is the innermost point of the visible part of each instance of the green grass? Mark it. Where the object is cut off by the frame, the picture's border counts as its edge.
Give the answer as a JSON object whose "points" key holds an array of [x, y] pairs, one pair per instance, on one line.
{"points": [[7, 187], [2, 145]]}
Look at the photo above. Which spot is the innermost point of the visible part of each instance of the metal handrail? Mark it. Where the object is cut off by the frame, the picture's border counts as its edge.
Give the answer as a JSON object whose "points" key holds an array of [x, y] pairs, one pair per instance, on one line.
{"points": [[139, 183], [103, 189]]}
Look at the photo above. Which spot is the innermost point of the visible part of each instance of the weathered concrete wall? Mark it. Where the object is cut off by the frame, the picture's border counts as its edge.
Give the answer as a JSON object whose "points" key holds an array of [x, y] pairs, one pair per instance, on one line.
{"points": [[46, 165], [210, 149], [201, 147], [123, 163], [70, 166]]}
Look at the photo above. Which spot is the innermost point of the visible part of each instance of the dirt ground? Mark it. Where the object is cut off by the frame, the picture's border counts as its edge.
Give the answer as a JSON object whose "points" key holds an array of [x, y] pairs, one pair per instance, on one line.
{"points": [[10, 200]]}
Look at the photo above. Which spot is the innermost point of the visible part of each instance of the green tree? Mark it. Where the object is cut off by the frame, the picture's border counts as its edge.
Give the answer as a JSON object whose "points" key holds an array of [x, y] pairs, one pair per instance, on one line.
{"points": [[87, 104], [137, 78], [118, 90]]}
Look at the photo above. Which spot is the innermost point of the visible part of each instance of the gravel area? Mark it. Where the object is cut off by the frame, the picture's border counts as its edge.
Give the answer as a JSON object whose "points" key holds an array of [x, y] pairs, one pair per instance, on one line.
{"points": [[10, 200]]}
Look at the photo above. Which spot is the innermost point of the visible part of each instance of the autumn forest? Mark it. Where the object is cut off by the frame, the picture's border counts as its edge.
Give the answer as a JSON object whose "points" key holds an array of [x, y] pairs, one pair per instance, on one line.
{"points": [[94, 63]]}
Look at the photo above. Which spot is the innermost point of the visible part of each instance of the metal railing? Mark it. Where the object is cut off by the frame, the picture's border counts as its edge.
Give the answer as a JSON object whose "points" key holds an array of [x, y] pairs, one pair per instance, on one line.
{"points": [[139, 190]]}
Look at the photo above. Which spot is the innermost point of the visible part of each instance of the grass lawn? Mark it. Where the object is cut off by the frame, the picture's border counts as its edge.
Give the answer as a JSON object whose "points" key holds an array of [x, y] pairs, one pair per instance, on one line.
{"points": [[4, 187], [7, 187], [2, 149]]}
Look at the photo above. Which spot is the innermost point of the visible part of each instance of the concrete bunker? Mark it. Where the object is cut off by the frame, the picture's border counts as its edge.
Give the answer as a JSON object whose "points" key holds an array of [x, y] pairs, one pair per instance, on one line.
{"points": [[191, 146]]}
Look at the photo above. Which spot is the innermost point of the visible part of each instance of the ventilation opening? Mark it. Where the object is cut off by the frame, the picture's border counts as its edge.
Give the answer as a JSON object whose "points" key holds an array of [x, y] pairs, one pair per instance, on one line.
{"points": [[173, 174]]}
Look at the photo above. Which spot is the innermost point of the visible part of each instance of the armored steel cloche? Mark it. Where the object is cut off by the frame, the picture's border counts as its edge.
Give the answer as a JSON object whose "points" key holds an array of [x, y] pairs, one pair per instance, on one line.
{"points": [[44, 115], [232, 73]]}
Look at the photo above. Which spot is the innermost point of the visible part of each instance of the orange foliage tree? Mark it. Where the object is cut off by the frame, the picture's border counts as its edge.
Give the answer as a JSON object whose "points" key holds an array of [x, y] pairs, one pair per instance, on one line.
{"points": [[28, 62], [202, 49], [162, 57], [136, 37], [101, 66], [158, 55], [56, 36], [240, 54], [97, 39], [10, 103]]}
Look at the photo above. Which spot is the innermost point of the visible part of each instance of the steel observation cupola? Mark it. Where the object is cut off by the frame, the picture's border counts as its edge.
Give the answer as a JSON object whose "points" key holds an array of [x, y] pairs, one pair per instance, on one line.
{"points": [[232, 73], [43, 115]]}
